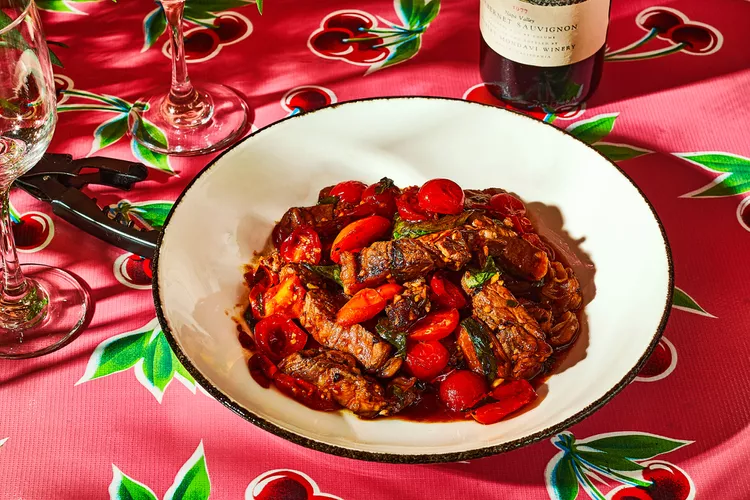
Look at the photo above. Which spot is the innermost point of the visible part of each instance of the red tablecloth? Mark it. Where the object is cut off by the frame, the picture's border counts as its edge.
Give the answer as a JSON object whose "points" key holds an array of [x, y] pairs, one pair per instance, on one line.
{"points": [[114, 413]]}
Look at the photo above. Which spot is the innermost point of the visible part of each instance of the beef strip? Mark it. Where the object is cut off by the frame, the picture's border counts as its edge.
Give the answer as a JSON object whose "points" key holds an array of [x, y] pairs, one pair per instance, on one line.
{"points": [[520, 336], [404, 259], [319, 319], [410, 305], [336, 375]]}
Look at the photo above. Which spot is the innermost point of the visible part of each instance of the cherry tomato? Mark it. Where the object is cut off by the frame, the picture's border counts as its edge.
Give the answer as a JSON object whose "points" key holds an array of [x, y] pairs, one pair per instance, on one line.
{"points": [[447, 295], [408, 205], [382, 195], [303, 245], [304, 392], [507, 204], [364, 305], [521, 224], [389, 290], [278, 337], [286, 298], [511, 397], [358, 235], [441, 196], [425, 360], [348, 191], [435, 326], [256, 371], [256, 300], [462, 389]]}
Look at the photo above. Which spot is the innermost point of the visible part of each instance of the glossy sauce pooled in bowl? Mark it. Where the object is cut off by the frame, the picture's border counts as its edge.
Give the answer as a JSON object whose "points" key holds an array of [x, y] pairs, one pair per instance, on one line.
{"points": [[426, 303]]}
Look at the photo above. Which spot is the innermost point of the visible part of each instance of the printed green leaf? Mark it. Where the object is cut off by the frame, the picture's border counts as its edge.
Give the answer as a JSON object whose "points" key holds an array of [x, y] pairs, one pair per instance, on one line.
{"points": [[154, 26], [179, 369], [154, 214], [406, 10], [12, 38], [3, 441], [54, 59], [259, 4], [608, 461], [684, 302], [145, 155], [428, 13], [109, 132], [633, 446], [192, 481], [735, 169], [594, 129], [157, 362], [564, 482], [116, 355], [205, 10], [402, 52], [619, 152], [124, 488], [56, 6]]}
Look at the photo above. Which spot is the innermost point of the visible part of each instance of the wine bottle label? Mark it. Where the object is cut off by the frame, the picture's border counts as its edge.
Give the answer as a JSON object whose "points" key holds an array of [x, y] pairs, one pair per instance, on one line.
{"points": [[544, 32]]}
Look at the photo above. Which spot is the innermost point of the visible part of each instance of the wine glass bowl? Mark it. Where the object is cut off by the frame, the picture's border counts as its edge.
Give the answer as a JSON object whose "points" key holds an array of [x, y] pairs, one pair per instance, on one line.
{"points": [[188, 120], [41, 307]]}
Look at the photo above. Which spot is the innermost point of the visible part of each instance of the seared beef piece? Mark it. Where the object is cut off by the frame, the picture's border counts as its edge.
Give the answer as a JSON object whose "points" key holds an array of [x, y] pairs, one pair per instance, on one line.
{"points": [[480, 198], [515, 254], [320, 217], [390, 368], [519, 334], [410, 305], [319, 319], [466, 344], [561, 290], [405, 259], [565, 331], [402, 393], [336, 375], [325, 193]]}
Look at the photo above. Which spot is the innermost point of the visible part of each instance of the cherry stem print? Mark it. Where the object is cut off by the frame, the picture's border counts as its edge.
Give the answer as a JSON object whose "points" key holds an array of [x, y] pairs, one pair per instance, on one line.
{"points": [[637, 44], [646, 55]]}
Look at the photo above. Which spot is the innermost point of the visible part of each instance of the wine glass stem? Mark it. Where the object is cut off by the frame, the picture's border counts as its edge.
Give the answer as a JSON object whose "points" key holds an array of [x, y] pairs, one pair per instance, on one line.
{"points": [[181, 88], [14, 283]]}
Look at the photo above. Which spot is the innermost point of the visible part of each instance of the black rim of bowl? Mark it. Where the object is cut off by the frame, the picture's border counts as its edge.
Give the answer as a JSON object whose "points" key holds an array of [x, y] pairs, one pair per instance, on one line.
{"points": [[395, 457]]}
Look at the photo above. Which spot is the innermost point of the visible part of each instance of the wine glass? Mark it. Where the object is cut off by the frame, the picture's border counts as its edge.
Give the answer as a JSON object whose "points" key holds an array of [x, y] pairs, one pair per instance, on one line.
{"points": [[41, 307], [194, 120]]}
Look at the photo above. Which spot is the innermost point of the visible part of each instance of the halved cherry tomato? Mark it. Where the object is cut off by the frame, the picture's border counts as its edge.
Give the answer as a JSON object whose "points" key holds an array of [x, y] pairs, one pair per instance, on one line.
{"points": [[348, 191], [521, 224], [358, 235], [425, 360], [304, 392], [511, 397], [435, 326], [364, 305], [382, 195], [447, 295], [462, 389], [389, 290], [535, 240], [408, 205], [278, 337], [507, 204], [303, 245], [286, 298], [254, 365], [441, 196]]}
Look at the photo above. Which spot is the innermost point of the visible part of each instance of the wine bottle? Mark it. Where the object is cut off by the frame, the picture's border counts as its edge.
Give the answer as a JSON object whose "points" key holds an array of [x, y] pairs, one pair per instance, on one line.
{"points": [[544, 54]]}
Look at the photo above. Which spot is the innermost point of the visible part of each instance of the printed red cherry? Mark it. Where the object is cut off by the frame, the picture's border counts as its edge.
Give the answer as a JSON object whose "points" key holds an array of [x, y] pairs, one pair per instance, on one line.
{"points": [[660, 361], [137, 271], [284, 485], [333, 42], [659, 20], [352, 21], [632, 493], [669, 483], [441, 196], [696, 39], [31, 232], [743, 214], [306, 99], [368, 50], [229, 28], [200, 43], [61, 84]]}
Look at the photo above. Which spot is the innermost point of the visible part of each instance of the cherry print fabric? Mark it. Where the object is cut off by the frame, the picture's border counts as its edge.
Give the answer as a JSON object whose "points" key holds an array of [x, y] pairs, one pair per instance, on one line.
{"points": [[114, 414]]}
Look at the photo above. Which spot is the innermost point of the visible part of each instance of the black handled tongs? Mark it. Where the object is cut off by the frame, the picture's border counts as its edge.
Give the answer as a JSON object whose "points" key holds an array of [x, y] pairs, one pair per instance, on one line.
{"points": [[57, 180]]}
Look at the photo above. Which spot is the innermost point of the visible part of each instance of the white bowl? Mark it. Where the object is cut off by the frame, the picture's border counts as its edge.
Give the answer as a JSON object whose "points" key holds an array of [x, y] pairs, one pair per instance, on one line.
{"points": [[227, 212]]}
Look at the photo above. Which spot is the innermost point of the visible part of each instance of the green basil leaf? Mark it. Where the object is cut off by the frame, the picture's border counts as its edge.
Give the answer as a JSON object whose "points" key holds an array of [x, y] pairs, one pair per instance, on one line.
{"points": [[406, 229], [383, 184], [477, 277], [396, 339], [480, 339], [332, 272], [328, 200]]}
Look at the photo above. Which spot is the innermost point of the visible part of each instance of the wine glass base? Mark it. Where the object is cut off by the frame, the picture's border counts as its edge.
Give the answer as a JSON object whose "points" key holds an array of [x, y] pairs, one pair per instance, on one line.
{"points": [[225, 124], [66, 313]]}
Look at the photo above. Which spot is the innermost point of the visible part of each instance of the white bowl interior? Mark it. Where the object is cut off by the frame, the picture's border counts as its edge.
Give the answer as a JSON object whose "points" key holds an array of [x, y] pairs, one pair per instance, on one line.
{"points": [[230, 209]]}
